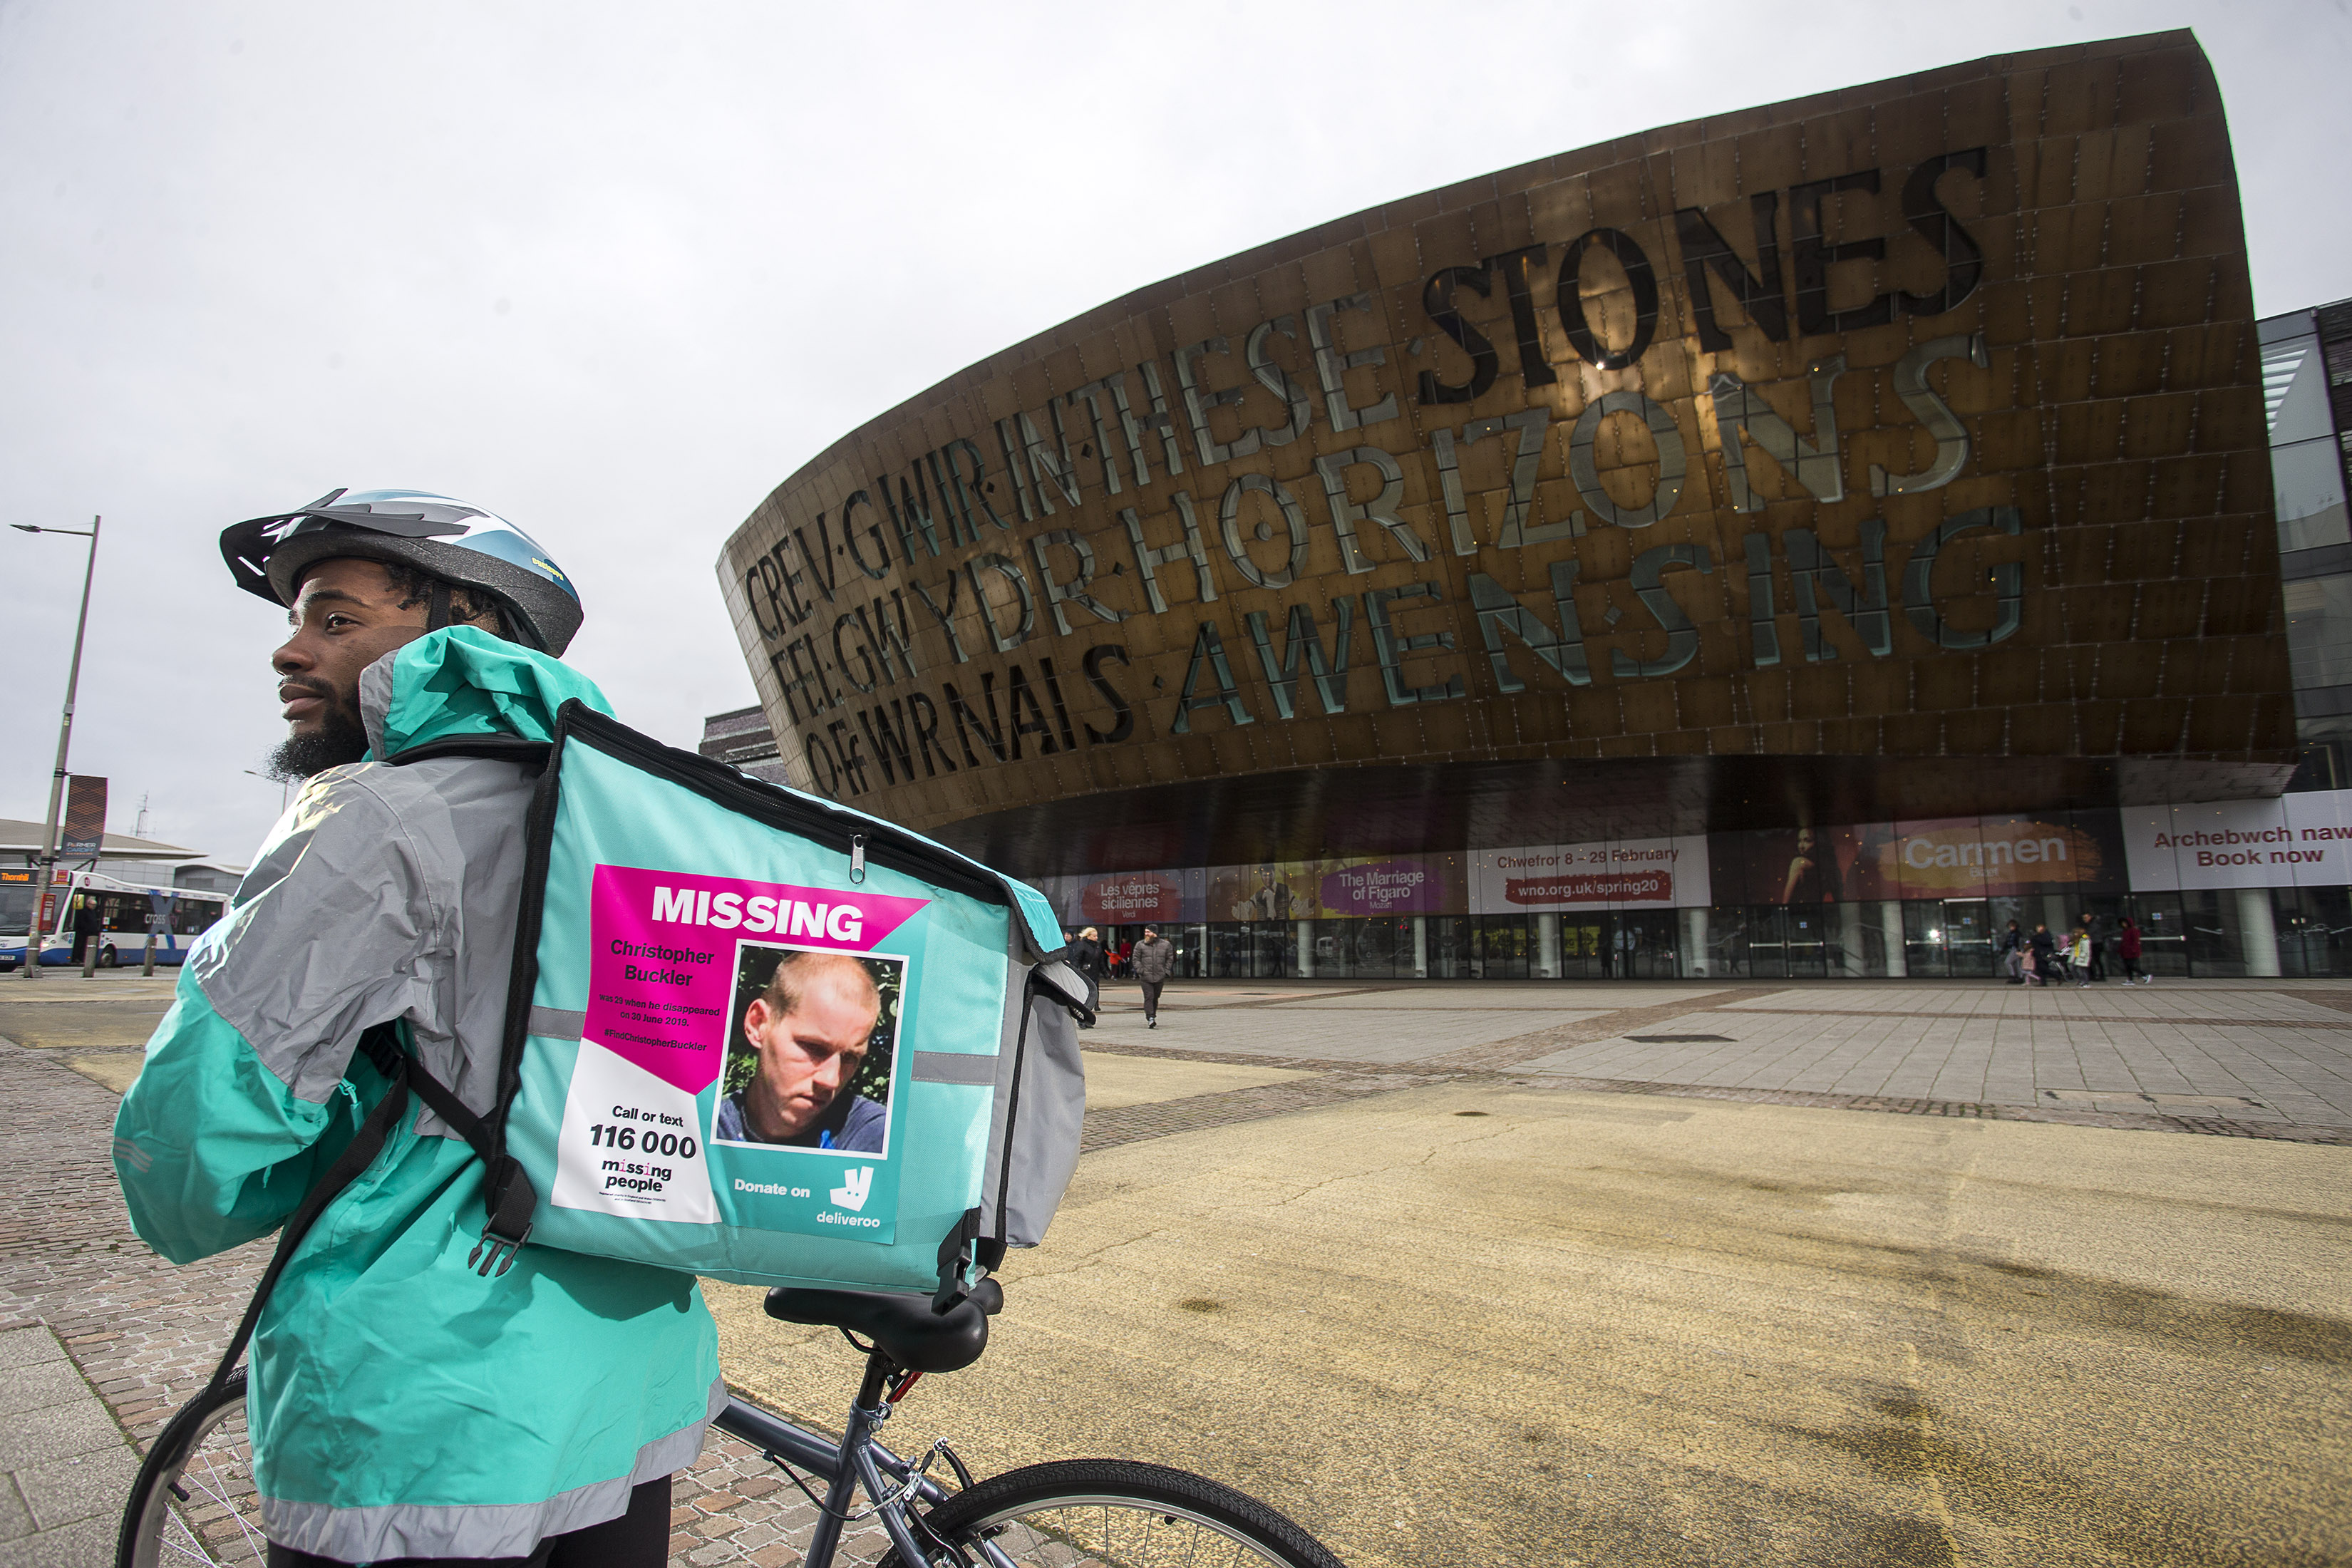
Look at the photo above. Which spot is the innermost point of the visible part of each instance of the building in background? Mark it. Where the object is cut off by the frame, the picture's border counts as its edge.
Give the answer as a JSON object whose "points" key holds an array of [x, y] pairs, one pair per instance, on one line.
{"points": [[1796, 543], [122, 860], [2307, 400], [20, 847], [745, 742]]}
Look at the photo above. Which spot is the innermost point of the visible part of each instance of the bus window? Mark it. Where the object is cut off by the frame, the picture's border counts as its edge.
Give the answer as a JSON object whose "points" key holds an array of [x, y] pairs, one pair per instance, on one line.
{"points": [[192, 916]]}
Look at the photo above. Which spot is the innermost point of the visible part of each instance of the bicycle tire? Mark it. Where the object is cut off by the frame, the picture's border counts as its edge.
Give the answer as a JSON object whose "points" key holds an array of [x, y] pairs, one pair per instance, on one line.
{"points": [[214, 1518], [1079, 1513]]}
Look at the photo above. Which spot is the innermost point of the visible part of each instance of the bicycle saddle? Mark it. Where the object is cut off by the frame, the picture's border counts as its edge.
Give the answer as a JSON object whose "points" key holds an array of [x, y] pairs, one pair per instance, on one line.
{"points": [[906, 1327]]}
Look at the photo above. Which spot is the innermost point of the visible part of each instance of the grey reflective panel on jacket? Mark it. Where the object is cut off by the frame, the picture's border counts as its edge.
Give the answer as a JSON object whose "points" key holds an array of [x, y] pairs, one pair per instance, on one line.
{"points": [[1047, 1107], [417, 871]]}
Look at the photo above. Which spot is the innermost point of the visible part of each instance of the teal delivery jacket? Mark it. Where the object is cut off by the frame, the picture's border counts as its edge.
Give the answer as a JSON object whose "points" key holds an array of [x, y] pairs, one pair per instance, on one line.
{"points": [[400, 1403]]}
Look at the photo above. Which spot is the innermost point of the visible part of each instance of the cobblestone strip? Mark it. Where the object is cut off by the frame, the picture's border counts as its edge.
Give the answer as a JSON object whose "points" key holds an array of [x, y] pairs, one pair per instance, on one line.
{"points": [[1239, 1058], [1160, 1118], [2340, 1000], [1896, 1105], [2134, 1021], [147, 1334]]}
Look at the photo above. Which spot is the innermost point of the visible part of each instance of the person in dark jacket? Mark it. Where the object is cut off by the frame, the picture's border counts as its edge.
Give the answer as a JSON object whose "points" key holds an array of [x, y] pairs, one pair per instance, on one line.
{"points": [[2012, 954], [2045, 948], [2098, 949], [89, 926], [2128, 950], [810, 1031], [1154, 960], [1085, 957]]}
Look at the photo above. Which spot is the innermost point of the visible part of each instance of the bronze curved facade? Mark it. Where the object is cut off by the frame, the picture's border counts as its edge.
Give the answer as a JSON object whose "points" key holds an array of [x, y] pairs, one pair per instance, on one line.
{"points": [[1896, 451]]}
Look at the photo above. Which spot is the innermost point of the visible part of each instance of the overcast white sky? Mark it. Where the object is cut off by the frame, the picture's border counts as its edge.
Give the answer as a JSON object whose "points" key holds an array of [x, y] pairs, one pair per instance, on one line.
{"points": [[616, 270]]}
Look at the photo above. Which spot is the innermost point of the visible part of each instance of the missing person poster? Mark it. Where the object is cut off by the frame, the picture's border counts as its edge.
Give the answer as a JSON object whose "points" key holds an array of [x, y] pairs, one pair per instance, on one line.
{"points": [[739, 1054]]}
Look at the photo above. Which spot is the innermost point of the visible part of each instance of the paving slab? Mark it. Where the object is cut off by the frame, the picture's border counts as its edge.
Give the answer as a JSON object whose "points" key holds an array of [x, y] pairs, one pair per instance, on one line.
{"points": [[84, 1486], [1116, 1080], [1490, 996], [85, 1543], [64, 1461], [2111, 999], [1475, 1322], [1313, 1030], [2296, 1074], [29, 1347]]}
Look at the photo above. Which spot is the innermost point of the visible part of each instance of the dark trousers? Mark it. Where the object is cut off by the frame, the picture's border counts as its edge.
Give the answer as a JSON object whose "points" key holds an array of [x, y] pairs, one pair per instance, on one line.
{"points": [[1151, 997], [2099, 961], [638, 1539], [2131, 966]]}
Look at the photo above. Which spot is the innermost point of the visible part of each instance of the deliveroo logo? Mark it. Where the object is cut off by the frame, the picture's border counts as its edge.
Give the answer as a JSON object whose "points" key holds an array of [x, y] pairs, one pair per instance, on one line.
{"points": [[855, 1186]]}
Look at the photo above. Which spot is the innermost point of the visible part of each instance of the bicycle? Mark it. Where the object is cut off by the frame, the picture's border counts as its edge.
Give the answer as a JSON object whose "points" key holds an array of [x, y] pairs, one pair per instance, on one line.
{"points": [[194, 1500]]}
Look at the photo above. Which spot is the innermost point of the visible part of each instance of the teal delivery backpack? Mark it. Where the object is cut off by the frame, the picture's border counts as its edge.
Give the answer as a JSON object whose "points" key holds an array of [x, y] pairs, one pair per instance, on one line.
{"points": [[760, 1036]]}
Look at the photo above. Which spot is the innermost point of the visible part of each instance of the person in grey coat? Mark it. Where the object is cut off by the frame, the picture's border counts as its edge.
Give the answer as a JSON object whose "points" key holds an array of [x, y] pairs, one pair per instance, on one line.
{"points": [[1153, 960]]}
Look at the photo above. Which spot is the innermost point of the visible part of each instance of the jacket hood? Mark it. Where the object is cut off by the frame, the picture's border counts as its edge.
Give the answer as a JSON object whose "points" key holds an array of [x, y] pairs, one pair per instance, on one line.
{"points": [[462, 680]]}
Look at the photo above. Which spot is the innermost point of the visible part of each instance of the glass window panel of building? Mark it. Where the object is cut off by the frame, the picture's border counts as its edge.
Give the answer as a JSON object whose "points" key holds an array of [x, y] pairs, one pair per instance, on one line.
{"points": [[2295, 387], [2308, 478], [2319, 630]]}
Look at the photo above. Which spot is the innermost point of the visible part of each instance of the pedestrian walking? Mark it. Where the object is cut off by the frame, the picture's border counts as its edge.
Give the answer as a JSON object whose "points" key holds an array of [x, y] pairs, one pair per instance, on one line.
{"points": [[2043, 948], [2012, 954], [1154, 960], [2098, 953], [2078, 958], [1087, 958], [2128, 950]]}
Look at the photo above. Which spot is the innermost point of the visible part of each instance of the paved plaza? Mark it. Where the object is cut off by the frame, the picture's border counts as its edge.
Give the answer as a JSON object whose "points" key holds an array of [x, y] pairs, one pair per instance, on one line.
{"points": [[1640, 1273]]}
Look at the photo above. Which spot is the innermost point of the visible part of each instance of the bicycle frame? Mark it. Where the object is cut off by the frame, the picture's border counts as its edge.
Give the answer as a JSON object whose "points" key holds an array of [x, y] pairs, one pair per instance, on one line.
{"points": [[859, 1459]]}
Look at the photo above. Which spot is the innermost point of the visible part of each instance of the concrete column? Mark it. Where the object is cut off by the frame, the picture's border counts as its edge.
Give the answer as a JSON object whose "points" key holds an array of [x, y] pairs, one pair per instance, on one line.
{"points": [[1851, 962], [1306, 950], [2257, 931], [1694, 950], [1890, 921], [1421, 947], [1548, 946]]}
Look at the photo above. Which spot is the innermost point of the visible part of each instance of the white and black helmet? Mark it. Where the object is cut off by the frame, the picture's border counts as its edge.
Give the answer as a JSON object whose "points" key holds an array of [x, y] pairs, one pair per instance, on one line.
{"points": [[460, 544]]}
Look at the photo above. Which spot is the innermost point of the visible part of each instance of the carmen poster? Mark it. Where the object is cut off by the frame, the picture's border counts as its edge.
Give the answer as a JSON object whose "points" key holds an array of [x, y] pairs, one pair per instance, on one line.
{"points": [[1954, 857]]}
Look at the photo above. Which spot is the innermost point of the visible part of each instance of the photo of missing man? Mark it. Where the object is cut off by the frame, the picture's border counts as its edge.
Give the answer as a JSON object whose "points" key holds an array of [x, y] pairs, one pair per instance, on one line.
{"points": [[809, 1049]]}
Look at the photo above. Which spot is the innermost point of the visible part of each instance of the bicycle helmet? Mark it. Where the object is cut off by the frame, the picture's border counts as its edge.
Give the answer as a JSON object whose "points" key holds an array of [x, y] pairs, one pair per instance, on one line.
{"points": [[458, 543]]}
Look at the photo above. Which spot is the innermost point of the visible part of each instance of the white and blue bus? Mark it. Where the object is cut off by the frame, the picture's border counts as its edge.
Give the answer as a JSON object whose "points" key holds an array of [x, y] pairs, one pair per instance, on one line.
{"points": [[124, 909]]}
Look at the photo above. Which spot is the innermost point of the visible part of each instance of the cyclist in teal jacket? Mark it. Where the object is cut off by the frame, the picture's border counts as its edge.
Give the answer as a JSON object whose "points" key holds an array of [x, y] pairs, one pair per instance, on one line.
{"points": [[403, 1406]]}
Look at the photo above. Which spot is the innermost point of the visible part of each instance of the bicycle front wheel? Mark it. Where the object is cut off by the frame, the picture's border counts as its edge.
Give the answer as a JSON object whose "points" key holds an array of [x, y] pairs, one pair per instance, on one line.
{"points": [[195, 1501], [1113, 1513]]}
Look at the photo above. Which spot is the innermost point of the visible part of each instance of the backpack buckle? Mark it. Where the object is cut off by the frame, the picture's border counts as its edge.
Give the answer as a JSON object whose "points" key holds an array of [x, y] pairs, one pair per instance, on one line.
{"points": [[511, 1202], [495, 1254]]}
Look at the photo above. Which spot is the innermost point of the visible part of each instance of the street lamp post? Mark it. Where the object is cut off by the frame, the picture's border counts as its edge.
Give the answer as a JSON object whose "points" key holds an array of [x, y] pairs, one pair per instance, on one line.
{"points": [[45, 868], [285, 787]]}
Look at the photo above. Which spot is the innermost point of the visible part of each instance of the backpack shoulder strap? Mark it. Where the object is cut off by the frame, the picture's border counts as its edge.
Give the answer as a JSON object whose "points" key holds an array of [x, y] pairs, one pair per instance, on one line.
{"points": [[508, 1196], [532, 754]]}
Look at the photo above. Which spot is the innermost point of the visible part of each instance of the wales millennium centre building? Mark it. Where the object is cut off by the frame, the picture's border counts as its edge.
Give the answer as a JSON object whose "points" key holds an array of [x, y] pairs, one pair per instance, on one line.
{"points": [[1790, 544]]}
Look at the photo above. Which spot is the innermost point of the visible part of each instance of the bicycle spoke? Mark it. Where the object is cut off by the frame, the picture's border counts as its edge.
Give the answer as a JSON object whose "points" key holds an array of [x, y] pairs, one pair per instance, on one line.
{"points": [[211, 1513]]}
